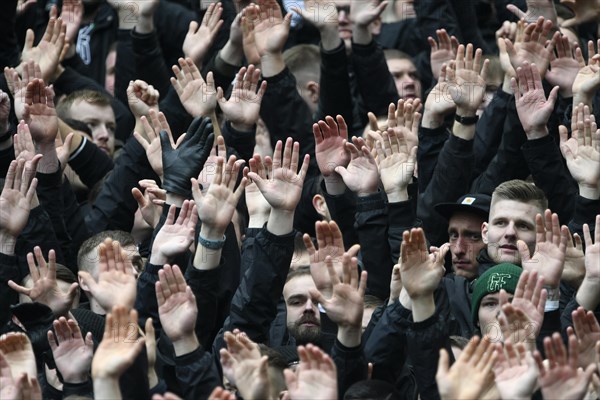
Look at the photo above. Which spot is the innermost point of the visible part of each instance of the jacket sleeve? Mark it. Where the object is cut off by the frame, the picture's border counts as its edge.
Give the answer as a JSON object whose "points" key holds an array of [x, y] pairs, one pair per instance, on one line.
{"points": [[488, 132], [351, 366], [148, 60], [372, 228], [90, 163], [197, 374], [9, 270], [423, 341], [509, 162], [286, 114], [431, 143], [450, 181], [342, 209], [254, 304], [386, 345], [585, 212], [401, 217], [242, 142], [115, 206], [334, 93], [204, 285], [550, 174], [375, 82]]}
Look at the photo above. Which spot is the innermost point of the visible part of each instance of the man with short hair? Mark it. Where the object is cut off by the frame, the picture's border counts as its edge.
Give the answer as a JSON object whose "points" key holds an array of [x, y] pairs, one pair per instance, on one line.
{"points": [[94, 109], [303, 315], [465, 220], [405, 74]]}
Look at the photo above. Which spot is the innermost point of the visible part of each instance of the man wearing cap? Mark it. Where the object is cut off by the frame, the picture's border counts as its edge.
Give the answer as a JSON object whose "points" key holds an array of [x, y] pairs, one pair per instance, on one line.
{"points": [[465, 219]]}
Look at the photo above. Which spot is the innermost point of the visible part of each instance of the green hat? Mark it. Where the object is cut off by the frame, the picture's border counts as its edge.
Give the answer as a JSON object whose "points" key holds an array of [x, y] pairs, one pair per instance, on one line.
{"points": [[502, 276]]}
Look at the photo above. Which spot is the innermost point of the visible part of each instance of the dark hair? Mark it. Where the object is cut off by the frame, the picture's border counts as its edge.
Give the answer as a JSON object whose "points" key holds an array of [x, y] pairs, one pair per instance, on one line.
{"points": [[300, 271], [372, 389], [372, 301], [459, 342]]}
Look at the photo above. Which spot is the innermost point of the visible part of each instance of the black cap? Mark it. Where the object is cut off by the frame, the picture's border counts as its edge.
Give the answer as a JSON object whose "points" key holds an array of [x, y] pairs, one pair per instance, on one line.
{"points": [[473, 203]]}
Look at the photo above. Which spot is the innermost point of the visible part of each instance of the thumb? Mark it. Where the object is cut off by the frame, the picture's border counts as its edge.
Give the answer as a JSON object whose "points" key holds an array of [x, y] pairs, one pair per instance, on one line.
{"points": [[165, 141], [552, 97], [563, 132], [19, 288], [139, 197], [290, 379], [343, 172], [68, 141], [515, 10], [523, 250], [72, 292], [570, 22], [220, 96], [318, 297]]}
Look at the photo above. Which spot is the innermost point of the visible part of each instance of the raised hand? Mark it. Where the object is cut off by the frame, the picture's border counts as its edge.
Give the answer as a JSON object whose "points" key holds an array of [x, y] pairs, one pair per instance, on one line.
{"points": [[532, 107], [45, 289], [330, 152], [217, 206], [151, 140], [582, 151], [467, 79], [200, 38], [142, 98], [548, 258], [18, 353], [8, 385], [404, 118], [249, 370], [562, 379], [515, 32], [535, 9], [243, 107], [587, 81], [585, 11], [420, 272], [217, 394], [563, 67], [471, 375], [17, 84], [49, 50], [396, 163], [574, 270], [324, 16], [71, 14], [119, 347], [516, 371], [149, 202], [198, 97], [259, 209], [330, 242], [588, 294], [39, 112], [346, 304], [587, 330], [71, 351], [282, 186], [247, 20], [521, 319], [438, 103], [315, 378], [184, 162], [16, 199], [361, 176], [362, 14], [534, 48], [177, 309], [116, 284], [442, 52], [271, 28], [175, 237]]}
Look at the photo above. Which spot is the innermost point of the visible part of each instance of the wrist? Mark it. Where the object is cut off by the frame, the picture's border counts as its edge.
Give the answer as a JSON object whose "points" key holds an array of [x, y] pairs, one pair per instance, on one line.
{"points": [[156, 257], [75, 378], [591, 192], [423, 307], [506, 85], [272, 64], [186, 344], [232, 53], [579, 97], [334, 184], [361, 35], [466, 112], [330, 38], [214, 233], [432, 120], [258, 220], [241, 127], [9, 243], [175, 199], [364, 192], [349, 336], [565, 93], [281, 222], [536, 133], [397, 195]]}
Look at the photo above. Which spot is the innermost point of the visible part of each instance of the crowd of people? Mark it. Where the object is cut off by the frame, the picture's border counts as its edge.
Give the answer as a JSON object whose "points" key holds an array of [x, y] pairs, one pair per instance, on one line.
{"points": [[320, 199]]}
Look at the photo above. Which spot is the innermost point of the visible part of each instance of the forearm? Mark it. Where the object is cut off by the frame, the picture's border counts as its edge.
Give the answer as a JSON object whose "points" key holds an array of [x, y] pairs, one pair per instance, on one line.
{"points": [[107, 388], [423, 308], [205, 258], [349, 336], [231, 53], [588, 294], [186, 344], [281, 222], [49, 162], [361, 34]]}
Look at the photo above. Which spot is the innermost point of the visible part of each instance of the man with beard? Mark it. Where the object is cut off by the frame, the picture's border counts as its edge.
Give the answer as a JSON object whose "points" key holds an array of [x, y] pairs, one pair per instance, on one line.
{"points": [[303, 315]]}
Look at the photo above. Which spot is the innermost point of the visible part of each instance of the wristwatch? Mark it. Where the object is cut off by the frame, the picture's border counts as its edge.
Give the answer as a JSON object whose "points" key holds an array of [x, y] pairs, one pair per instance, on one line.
{"points": [[466, 120]]}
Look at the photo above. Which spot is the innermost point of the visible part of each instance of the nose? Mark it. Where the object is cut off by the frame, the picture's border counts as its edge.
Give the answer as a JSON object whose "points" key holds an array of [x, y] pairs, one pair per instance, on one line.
{"points": [[309, 306], [101, 133], [460, 247], [510, 230], [343, 17]]}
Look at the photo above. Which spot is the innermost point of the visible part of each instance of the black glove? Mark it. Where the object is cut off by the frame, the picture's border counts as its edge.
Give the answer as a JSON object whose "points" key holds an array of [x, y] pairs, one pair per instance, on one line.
{"points": [[187, 160]]}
